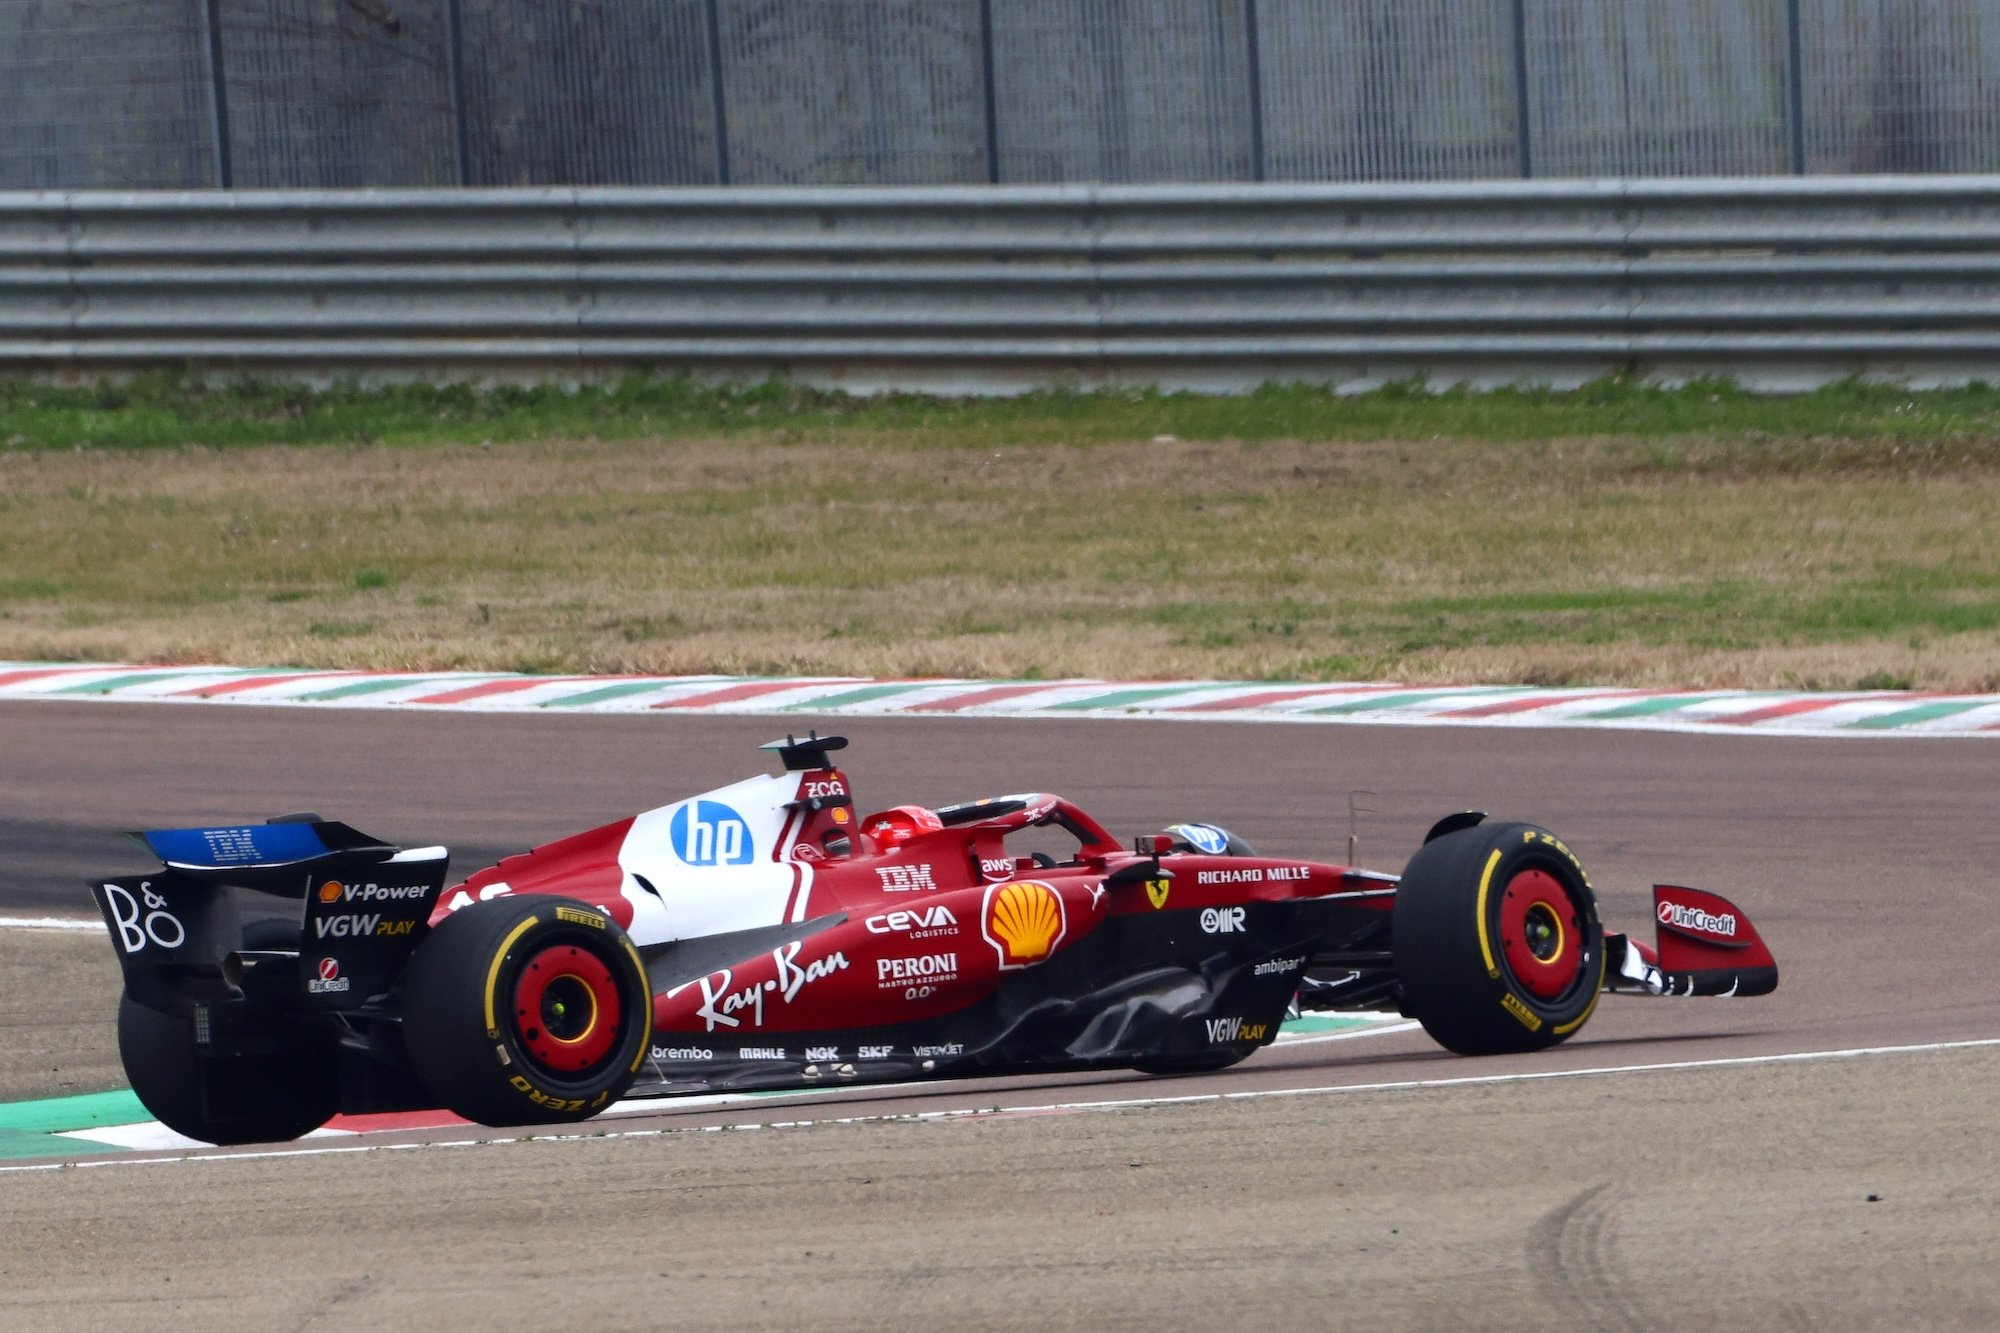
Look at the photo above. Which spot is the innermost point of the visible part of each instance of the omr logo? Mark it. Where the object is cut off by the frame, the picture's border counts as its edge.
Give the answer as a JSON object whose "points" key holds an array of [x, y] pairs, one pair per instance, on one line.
{"points": [[709, 833]]}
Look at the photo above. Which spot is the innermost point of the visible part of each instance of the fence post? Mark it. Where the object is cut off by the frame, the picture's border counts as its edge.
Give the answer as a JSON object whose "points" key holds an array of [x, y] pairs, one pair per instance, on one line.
{"points": [[1253, 52], [1523, 131], [718, 98], [218, 96], [992, 94], [454, 76], [1795, 86]]}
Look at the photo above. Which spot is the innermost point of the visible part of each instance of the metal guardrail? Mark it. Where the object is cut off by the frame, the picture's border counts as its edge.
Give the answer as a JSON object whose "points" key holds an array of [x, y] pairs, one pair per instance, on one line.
{"points": [[1778, 281]]}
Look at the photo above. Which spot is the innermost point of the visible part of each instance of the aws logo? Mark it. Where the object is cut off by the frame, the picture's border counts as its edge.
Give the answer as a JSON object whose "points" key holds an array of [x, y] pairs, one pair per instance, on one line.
{"points": [[1024, 922], [709, 833]]}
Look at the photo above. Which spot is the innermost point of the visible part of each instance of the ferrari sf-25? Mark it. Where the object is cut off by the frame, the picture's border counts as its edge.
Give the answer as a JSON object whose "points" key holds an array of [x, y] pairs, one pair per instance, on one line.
{"points": [[766, 935]]}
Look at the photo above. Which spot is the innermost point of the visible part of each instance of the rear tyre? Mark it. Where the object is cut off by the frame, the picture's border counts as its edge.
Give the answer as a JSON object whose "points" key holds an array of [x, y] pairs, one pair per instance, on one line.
{"points": [[260, 1098], [1498, 946], [531, 1010]]}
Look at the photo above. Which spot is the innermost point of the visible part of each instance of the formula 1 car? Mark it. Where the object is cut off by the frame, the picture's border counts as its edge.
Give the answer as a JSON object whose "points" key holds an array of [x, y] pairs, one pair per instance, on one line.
{"points": [[763, 936]]}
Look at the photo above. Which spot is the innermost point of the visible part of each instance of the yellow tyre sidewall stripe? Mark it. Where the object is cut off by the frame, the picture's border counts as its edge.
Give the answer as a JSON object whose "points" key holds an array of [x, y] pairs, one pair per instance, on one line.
{"points": [[1486, 944], [493, 971]]}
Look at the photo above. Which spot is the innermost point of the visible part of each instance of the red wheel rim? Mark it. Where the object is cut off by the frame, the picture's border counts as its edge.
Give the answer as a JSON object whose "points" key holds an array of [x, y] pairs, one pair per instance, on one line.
{"points": [[1541, 934], [566, 1008]]}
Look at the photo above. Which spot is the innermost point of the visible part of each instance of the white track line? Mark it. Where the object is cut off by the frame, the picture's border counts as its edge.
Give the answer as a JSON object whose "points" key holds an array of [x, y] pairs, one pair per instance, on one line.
{"points": [[48, 923], [1120, 1104], [152, 1136]]}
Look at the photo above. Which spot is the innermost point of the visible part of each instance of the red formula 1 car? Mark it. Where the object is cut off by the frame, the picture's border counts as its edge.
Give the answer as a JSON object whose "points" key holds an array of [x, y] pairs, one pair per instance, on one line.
{"points": [[763, 936]]}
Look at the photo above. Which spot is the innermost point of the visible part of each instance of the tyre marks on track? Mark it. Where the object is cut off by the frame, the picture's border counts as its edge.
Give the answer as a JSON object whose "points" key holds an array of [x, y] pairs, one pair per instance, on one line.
{"points": [[1577, 1242]]}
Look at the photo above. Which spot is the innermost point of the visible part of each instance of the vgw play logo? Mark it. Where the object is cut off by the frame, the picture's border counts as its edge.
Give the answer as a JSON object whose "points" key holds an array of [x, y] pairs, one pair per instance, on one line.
{"points": [[708, 833]]}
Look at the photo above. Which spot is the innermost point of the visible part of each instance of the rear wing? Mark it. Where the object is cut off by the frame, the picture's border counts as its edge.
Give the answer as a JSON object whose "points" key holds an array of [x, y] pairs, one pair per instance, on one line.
{"points": [[357, 907], [280, 857]]}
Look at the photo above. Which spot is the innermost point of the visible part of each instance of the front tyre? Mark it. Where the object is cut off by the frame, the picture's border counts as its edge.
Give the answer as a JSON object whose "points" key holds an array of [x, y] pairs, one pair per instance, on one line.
{"points": [[531, 1010], [1497, 941], [279, 1093]]}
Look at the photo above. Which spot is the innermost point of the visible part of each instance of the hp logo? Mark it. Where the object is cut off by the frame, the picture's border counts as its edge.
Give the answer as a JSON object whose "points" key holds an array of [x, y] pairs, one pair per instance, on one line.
{"points": [[708, 833]]}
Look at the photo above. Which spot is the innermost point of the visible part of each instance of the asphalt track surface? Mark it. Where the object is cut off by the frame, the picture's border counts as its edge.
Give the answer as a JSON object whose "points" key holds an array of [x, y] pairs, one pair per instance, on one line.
{"points": [[1356, 1183]]}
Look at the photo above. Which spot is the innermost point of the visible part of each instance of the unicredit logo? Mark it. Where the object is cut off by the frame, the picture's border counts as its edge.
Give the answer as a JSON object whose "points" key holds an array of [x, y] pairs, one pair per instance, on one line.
{"points": [[1693, 918]]}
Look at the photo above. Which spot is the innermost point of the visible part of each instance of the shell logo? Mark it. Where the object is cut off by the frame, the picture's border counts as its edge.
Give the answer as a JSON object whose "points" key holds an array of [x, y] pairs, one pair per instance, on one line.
{"points": [[329, 892], [1024, 921]]}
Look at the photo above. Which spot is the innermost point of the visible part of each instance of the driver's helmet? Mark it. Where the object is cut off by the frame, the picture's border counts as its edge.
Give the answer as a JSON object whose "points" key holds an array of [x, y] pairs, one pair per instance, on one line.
{"points": [[1212, 839], [900, 823]]}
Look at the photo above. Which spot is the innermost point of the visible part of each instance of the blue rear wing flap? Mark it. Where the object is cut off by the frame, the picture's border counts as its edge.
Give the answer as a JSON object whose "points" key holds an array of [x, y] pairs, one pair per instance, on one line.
{"points": [[275, 858]]}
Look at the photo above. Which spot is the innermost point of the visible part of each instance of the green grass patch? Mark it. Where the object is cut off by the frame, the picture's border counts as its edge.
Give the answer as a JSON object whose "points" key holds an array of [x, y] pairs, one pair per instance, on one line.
{"points": [[1620, 534], [340, 629], [167, 411]]}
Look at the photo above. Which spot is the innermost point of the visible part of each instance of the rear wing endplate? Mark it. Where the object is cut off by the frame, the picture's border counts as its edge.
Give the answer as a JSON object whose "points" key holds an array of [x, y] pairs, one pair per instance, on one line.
{"points": [[361, 905]]}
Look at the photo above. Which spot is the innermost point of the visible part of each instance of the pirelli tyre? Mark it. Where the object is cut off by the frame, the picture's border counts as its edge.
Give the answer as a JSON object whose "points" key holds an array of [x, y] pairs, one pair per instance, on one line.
{"points": [[279, 1093], [530, 1010], [1498, 946]]}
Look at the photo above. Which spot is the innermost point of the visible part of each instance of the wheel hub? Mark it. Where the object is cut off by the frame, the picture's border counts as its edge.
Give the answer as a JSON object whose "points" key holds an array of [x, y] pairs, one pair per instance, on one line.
{"points": [[1541, 934], [566, 1008]]}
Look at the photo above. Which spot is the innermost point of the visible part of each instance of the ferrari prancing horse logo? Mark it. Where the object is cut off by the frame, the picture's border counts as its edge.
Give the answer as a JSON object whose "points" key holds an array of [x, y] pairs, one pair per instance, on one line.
{"points": [[1156, 890]]}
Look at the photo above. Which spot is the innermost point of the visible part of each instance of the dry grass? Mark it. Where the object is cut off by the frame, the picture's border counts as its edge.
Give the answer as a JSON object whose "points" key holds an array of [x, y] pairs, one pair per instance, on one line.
{"points": [[1608, 560]]}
